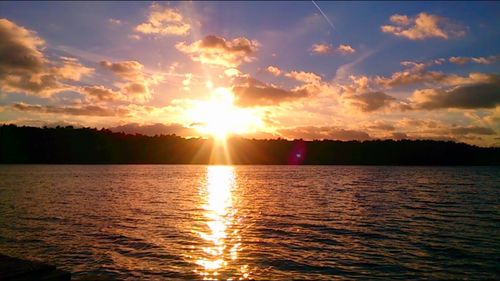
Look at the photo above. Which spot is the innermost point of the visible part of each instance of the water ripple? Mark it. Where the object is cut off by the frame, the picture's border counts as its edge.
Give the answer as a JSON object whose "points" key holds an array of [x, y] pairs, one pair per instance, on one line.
{"points": [[254, 222]]}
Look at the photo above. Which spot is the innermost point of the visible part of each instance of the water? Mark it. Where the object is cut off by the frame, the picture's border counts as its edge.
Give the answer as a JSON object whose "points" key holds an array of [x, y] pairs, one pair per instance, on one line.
{"points": [[254, 222]]}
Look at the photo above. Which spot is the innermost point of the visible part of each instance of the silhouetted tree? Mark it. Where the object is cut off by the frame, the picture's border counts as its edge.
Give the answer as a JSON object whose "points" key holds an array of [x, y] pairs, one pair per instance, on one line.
{"points": [[92, 146]]}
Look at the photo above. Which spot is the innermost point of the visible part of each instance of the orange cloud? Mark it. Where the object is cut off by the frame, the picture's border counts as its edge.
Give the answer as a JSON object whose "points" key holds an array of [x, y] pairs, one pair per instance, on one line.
{"points": [[100, 93], [346, 49], [137, 91], [274, 70], [321, 48], [306, 77], [137, 87], [422, 26], [128, 70], [164, 21], [71, 69]]}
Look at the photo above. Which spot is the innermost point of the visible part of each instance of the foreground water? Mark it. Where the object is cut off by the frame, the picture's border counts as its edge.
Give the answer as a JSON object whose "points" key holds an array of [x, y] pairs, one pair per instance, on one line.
{"points": [[254, 222]]}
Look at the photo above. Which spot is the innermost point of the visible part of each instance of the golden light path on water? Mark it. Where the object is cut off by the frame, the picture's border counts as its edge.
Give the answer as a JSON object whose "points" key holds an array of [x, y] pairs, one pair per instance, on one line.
{"points": [[217, 258]]}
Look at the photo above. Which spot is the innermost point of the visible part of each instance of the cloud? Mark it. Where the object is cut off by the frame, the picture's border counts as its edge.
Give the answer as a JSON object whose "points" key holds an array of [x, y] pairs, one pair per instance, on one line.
{"points": [[100, 93], [323, 132], [187, 81], [311, 82], [137, 91], [346, 49], [164, 21], [137, 88], [43, 85], [156, 129], [20, 52], [468, 96], [371, 101], [472, 130], [128, 70], [321, 48], [114, 21], [416, 73], [217, 50], [87, 110], [232, 72], [24, 68], [474, 91], [306, 77], [134, 37], [423, 26], [479, 60], [399, 136], [274, 70], [381, 126], [71, 69], [251, 92]]}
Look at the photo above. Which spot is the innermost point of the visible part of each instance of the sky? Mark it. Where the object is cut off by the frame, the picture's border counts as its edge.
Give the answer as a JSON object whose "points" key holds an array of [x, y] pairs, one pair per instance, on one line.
{"points": [[310, 70]]}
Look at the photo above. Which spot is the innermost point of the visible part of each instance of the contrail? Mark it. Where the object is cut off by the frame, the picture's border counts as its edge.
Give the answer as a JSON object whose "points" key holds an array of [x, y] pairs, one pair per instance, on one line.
{"points": [[324, 15]]}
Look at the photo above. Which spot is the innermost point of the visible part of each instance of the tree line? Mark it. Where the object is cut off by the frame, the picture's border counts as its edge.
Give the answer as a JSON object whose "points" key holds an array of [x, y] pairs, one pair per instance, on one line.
{"points": [[68, 145]]}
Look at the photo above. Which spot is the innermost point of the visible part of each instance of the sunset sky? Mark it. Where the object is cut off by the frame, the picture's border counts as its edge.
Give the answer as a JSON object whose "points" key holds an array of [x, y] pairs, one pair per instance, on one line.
{"points": [[311, 70]]}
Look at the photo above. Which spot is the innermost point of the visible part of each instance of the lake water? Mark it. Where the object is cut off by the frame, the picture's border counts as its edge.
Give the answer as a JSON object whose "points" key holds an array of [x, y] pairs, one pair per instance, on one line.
{"points": [[156, 222]]}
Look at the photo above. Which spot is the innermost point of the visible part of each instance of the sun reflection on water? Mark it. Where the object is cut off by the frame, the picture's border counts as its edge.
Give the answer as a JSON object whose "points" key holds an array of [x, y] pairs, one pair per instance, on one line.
{"points": [[218, 257]]}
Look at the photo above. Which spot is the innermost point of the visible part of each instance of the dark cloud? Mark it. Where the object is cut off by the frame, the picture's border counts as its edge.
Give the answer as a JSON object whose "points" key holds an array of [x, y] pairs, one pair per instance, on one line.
{"points": [[43, 85], [24, 69], [474, 130], [417, 73], [399, 136], [382, 126], [480, 95], [217, 50], [371, 101], [155, 129], [251, 92], [406, 78], [128, 70], [324, 132], [19, 51], [88, 110]]}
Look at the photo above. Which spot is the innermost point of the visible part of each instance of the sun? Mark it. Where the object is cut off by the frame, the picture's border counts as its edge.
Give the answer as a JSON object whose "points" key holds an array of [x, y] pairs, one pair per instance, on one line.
{"points": [[219, 117]]}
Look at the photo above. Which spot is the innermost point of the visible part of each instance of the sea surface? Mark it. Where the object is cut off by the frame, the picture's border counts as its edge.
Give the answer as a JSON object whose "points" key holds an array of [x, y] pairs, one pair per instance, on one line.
{"points": [[174, 222]]}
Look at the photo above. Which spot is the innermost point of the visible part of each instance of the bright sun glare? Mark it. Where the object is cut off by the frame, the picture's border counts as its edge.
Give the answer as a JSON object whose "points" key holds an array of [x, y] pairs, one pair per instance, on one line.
{"points": [[219, 116]]}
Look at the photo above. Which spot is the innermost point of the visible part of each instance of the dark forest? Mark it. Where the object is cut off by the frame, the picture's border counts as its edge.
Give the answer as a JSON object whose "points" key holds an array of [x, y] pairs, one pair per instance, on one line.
{"points": [[68, 145]]}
